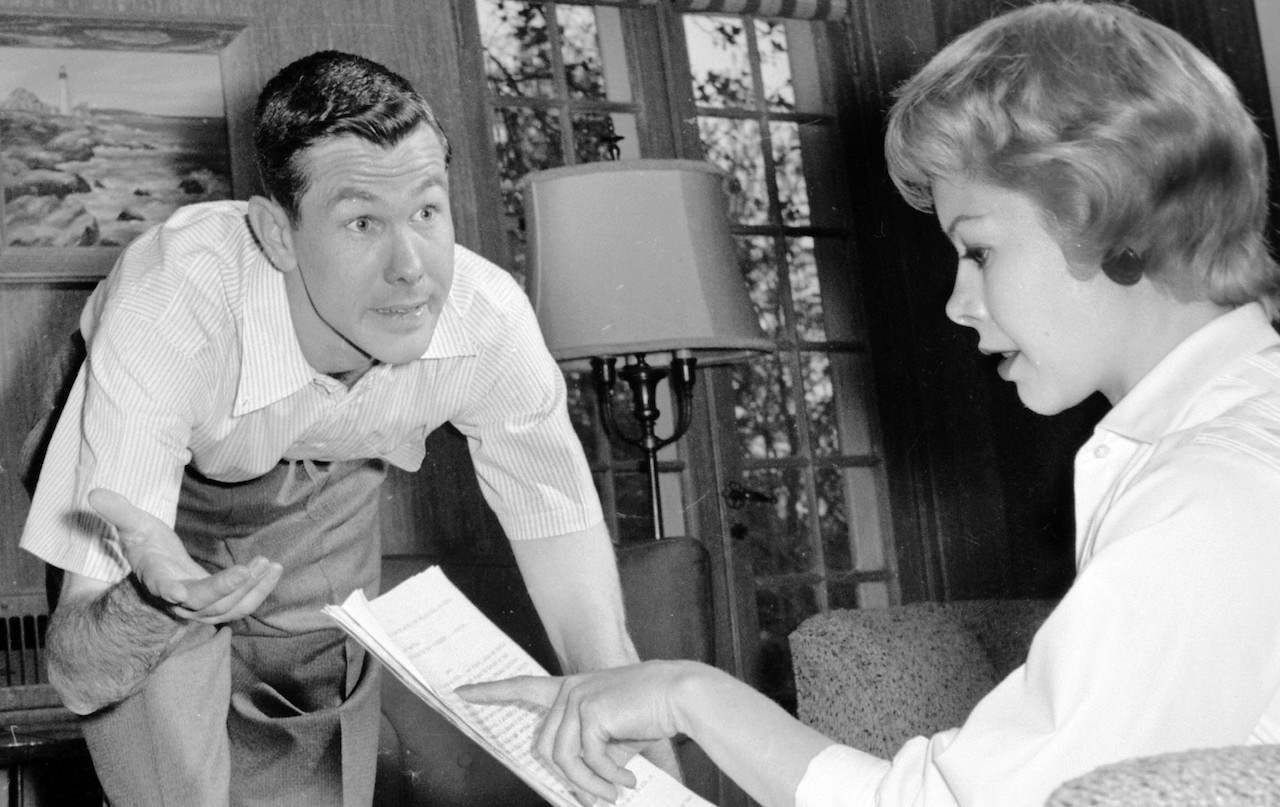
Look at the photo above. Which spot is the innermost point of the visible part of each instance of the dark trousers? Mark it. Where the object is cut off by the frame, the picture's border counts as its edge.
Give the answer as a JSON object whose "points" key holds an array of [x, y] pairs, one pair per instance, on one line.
{"points": [[278, 708]]}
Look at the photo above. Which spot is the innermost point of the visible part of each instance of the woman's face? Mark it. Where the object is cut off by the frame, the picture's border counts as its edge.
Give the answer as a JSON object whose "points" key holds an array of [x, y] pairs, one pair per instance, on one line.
{"points": [[1064, 330]]}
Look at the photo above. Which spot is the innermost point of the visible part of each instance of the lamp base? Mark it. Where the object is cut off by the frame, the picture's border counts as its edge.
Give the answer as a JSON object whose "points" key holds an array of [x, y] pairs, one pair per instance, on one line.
{"points": [[643, 379]]}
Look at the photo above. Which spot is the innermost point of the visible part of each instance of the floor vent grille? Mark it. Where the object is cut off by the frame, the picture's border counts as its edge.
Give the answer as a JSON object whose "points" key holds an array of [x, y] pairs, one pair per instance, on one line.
{"points": [[22, 659]]}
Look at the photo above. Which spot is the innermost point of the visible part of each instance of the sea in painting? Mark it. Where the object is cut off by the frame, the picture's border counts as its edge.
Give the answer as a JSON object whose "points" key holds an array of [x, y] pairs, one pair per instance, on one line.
{"points": [[97, 147]]}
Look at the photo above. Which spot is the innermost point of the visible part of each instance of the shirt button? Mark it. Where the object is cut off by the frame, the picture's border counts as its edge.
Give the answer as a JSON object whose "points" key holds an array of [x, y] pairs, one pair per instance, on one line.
{"points": [[1101, 452]]}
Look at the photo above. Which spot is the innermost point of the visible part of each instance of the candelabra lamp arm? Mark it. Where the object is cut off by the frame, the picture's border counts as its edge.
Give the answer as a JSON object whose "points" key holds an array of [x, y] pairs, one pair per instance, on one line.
{"points": [[603, 376], [681, 379]]}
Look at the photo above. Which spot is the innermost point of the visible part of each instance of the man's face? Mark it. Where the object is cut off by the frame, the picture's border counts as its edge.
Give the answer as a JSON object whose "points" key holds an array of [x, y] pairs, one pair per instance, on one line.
{"points": [[370, 261]]}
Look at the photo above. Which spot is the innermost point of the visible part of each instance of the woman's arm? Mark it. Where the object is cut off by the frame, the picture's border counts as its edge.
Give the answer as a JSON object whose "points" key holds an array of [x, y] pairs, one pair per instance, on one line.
{"points": [[597, 720]]}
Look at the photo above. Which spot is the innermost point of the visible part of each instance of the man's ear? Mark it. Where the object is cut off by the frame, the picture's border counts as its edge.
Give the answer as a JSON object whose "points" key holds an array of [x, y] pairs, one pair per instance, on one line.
{"points": [[274, 232]]}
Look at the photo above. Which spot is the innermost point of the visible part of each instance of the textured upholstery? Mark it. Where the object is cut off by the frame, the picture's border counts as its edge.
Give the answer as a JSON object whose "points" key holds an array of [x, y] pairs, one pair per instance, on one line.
{"points": [[1240, 776], [872, 679]]}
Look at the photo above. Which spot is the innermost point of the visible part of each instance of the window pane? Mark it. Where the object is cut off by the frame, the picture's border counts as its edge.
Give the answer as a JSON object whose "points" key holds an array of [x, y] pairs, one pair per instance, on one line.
{"points": [[596, 137], [526, 140], [824, 439], [623, 404], [718, 60], [580, 51], [873, 595], [806, 293], [793, 196], [734, 145], [780, 535], [517, 50], [781, 612], [842, 594], [764, 409], [635, 510], [582, 411], [756, 260], [775, 66], [836, 549]]}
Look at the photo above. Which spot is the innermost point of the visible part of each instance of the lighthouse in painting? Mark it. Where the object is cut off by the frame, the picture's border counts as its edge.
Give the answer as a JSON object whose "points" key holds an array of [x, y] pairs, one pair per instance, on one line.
{"points": [[64, 92]]}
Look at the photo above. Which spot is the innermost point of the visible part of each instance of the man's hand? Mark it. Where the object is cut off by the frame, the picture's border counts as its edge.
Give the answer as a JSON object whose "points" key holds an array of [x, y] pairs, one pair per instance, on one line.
{"points": [[595, 722], [164, 568]]}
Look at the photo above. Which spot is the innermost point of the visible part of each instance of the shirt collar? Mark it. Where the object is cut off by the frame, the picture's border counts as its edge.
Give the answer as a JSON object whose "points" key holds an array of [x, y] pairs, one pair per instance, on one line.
{"points": [[1162, 398], [453, 337], [272, 365]]}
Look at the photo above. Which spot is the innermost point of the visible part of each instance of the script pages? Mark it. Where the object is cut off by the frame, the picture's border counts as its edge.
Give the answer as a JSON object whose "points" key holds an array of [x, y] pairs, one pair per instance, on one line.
{"points": [[431, 637]]}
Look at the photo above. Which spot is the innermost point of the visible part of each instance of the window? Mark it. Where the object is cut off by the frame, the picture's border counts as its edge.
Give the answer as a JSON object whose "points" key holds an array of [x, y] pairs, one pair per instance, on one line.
{"points": [[795, 432], [562, 94], [804, 424]]}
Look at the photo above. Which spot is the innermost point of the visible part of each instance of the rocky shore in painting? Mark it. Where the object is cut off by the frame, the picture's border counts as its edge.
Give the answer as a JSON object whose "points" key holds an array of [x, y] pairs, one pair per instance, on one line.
{"points": [[101, 177]]}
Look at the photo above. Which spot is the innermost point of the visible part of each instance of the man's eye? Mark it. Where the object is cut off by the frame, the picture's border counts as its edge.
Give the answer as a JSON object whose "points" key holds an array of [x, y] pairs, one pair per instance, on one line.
{"points": [[360, 225], [427, 213]]}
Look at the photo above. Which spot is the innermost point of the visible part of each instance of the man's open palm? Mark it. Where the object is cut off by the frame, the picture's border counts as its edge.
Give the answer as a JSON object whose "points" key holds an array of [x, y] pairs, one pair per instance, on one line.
{"points": [[165, 569]]}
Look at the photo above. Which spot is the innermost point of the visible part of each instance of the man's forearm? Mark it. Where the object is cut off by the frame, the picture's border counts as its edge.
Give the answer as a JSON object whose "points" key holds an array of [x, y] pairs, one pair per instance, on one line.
{"points": [[102, 648]]}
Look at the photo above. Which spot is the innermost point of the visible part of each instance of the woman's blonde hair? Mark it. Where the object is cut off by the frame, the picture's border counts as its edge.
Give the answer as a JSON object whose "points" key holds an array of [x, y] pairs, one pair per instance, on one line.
{"points": [[1132, 142]]}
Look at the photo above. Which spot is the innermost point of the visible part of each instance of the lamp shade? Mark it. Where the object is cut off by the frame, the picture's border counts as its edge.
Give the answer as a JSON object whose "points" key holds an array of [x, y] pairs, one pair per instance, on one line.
{"points": [[636, 256]]}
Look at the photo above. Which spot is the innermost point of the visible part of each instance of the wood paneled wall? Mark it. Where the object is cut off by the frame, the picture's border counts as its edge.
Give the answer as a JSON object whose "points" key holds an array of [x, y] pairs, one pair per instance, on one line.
{"points": [[418, 40]]}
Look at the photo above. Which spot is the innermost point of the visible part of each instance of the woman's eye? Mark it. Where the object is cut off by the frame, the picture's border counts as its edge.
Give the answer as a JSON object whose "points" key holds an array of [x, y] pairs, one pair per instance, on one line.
{"points": [[427, 213], [360, 225], [976, 254]]}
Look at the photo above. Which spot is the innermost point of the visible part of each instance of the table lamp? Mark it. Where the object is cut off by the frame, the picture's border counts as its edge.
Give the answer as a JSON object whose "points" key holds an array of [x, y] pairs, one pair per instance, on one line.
{"points": [[635, 259]]}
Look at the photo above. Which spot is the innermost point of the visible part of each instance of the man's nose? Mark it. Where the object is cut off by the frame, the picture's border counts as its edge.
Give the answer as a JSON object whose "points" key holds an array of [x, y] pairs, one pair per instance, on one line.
{"points": [[965, 306], [406, 263]]}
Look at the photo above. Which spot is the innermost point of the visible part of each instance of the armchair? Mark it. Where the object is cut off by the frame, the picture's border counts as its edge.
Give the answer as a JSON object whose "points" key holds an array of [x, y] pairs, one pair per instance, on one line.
{"points": [[1239, 776], [873, 679]]}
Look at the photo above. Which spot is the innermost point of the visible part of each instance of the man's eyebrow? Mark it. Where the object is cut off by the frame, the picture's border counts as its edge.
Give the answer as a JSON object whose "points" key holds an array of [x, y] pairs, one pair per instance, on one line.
{"points": [[344, 195]]}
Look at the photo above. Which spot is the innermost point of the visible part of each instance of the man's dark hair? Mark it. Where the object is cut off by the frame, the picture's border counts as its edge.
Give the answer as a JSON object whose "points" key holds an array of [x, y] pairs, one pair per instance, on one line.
{"points": [[324, 95]]}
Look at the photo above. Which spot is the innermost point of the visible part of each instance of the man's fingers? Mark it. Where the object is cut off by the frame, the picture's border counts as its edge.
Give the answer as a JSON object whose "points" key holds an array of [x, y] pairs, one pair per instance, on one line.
{"points": [[206, 591], [163, 565], [249, 602], [538, 691], [237, 594]]}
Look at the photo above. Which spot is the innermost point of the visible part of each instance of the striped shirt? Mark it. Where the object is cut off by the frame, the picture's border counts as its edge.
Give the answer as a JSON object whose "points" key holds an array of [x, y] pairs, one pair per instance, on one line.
{"points": [[1167, 640], [192, 359]]}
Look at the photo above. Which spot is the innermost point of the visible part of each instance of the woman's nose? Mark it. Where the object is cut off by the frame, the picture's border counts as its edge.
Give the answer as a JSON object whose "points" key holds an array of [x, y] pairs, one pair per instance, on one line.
{"points": [[964, 306]]}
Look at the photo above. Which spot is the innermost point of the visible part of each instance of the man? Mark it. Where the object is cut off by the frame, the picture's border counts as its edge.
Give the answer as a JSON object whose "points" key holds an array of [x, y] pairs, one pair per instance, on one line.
{"points": [[252, 369]]}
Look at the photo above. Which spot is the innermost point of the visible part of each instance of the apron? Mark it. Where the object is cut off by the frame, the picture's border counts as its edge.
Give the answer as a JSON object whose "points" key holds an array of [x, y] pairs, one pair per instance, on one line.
{"points": [[280, 697]]}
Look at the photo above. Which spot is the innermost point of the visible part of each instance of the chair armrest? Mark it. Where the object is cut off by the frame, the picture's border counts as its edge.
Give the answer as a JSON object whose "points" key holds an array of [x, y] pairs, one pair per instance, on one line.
{"points": [[1236, 776]]}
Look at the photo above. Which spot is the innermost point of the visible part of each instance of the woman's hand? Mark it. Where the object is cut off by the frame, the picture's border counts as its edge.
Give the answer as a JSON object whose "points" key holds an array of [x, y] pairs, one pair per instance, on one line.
{"points": [[596, 722], [164, 568]]}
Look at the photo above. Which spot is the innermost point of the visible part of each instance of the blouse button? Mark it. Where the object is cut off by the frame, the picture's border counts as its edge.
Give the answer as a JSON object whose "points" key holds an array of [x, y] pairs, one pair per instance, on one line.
{"points": [[1101, 452]]}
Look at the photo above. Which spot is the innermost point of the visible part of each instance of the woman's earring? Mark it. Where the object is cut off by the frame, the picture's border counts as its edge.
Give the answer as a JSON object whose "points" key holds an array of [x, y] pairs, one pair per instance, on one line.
{"points": [[1123, 267]]}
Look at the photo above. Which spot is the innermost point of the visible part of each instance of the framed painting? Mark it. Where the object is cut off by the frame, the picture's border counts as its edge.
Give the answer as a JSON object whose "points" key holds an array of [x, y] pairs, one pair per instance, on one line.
{"points": [[106, 127]]}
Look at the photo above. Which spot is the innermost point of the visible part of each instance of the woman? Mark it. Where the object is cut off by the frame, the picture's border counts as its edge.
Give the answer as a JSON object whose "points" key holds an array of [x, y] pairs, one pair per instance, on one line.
{"points": [[1105, 190]]}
